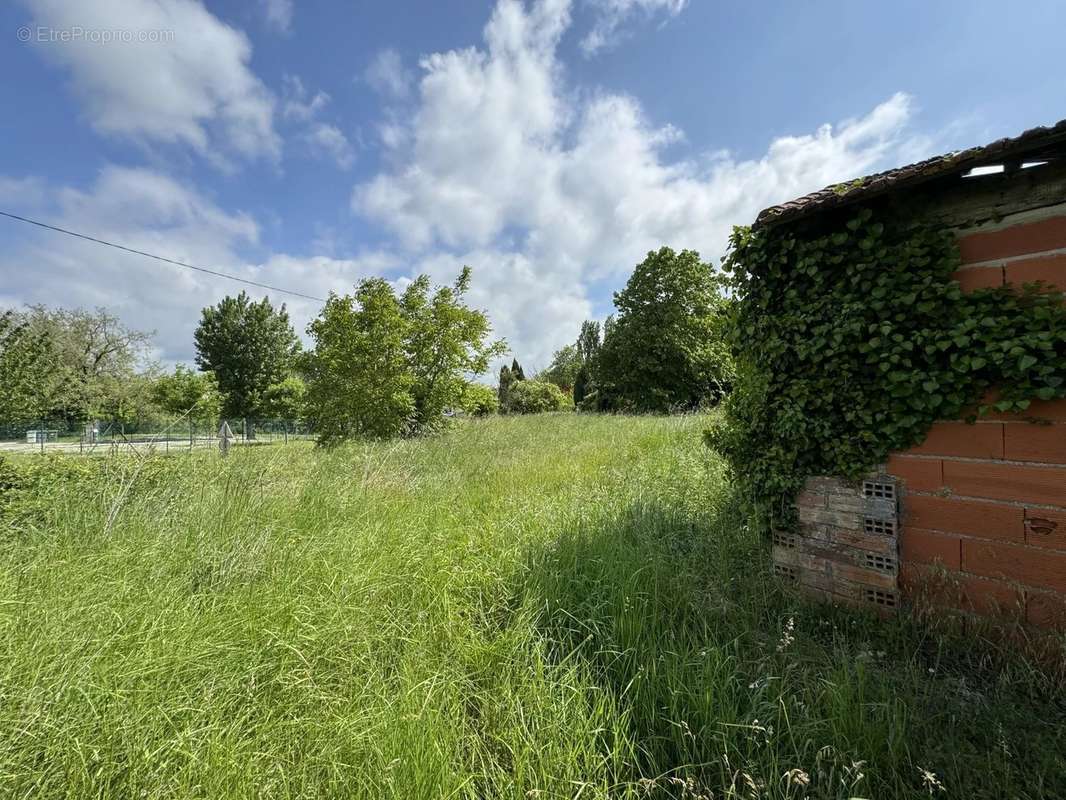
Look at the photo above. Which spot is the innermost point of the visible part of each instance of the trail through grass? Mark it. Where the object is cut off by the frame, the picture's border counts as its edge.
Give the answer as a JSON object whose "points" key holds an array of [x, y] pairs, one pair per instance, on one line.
{"points": [[555, 606]]}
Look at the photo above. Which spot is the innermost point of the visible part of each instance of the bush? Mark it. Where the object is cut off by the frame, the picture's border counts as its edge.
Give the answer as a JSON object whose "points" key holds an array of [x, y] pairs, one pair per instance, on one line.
{"points": [[479, 400], [536, 397]]}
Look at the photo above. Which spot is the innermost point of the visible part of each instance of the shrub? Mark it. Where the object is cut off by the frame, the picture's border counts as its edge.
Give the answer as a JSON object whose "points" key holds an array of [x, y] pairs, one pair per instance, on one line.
{"points": [[536, 397], [479, 400]]}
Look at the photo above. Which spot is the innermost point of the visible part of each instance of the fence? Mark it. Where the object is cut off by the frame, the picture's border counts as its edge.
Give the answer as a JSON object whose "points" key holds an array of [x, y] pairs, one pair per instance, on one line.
{"points": [[160, 435]]}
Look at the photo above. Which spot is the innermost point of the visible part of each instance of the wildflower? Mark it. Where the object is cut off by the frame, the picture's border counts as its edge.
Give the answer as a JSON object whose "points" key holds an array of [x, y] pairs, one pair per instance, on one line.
{"points": [[787, 637], [930, 782]]}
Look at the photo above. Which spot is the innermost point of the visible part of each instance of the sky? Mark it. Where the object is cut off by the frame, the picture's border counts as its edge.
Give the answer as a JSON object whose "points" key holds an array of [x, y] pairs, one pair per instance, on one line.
{"points": [[548, 144]]}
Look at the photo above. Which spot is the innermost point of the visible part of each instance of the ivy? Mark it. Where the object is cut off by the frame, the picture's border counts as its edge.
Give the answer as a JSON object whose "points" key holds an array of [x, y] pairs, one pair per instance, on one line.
{"points": [[852, 341]]}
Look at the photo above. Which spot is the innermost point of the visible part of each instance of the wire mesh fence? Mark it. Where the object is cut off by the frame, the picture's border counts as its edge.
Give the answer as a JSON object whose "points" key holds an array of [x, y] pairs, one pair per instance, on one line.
{"points": [[159, 434]]}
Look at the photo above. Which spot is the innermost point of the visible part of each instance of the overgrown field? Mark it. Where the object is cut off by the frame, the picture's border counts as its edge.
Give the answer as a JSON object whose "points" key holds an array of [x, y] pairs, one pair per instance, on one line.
{"points": [[552, 606]]}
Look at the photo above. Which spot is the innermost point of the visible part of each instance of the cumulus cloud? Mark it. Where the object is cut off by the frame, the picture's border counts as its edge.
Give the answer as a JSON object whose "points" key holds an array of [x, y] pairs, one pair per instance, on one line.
{"points": [[557, 189], [387, 74], [192, 86], [278, 14], [322, 138], [613, 14], [146, 210]]}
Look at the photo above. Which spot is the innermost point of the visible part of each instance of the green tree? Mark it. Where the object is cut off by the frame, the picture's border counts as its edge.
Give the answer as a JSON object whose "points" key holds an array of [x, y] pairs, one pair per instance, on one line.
{"points": [[588, 340], [383, 365], [446, 341], [187, 392], [517, 372], [506, 379], [666, 348], [359, 383], [536, 397], [565, 364], [249, 346], [286, 400], [27, 369]]}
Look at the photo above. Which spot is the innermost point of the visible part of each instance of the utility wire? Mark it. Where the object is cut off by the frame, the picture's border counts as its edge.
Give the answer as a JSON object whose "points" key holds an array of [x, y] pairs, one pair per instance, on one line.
{"points": [[160, 258]]}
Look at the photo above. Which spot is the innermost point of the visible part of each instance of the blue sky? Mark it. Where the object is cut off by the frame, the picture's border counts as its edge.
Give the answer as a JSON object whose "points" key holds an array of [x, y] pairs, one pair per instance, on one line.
{"points": [[550, 144]]}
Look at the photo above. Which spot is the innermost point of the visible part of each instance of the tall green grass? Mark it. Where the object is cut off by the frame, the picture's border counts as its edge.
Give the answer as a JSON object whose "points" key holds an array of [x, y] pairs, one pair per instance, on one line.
{"points": [[556, 606]]}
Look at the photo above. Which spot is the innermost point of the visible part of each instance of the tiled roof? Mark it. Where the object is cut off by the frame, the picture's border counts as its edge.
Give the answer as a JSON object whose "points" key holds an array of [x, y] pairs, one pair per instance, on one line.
{"points": [[1026, 144]]}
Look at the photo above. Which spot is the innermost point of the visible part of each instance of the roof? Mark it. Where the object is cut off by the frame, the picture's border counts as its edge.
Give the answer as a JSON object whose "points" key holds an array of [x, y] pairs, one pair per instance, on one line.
{"points": [[1031, 144]]}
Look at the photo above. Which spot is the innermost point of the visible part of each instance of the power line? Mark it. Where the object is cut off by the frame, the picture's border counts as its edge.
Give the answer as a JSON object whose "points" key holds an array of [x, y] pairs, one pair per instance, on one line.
{"points": [[161, 258]]}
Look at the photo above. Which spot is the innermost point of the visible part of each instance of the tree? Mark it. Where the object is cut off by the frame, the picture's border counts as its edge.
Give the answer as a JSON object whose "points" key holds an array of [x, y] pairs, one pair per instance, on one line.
{"points": [[536, 397], [359, 383], [249, 347], [27, 369], [94, 359], [588, 340], [516, 370], [446, 341], [187, 392], [286, 399], [665, 350], [506, 379], [564, 367], [384, 366]]}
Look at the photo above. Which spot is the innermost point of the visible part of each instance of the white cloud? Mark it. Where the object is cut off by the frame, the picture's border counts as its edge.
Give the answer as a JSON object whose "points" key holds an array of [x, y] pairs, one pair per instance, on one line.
{"points": [[149, 211], [324, 139], [556, 189], [195, 88], [278, 14], [386, 74], [612, 15]]}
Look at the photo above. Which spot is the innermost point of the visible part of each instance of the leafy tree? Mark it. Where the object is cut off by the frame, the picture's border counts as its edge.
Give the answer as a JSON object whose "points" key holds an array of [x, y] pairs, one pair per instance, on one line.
{"points": [[666, 349], [479, 400], [588, 340], [286, 399], [446, 341], [27, 369], [564, 367], [384, 366], [249, 346], [582, 384], [536, 397], [94, 359], [187, 392], [359, 383]]}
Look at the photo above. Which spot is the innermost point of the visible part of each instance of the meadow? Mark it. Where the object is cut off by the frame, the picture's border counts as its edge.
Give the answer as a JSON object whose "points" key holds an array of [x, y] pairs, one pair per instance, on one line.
{"points": [[551, 606]]}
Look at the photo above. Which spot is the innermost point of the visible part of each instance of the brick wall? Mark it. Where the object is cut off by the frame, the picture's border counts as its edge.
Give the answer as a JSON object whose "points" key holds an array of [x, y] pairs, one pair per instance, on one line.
{"points": [[984, 506]]}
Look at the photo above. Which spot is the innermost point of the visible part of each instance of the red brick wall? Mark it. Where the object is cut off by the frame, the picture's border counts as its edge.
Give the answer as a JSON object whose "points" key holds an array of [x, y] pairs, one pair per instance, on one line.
{"points": [[984, 508]]}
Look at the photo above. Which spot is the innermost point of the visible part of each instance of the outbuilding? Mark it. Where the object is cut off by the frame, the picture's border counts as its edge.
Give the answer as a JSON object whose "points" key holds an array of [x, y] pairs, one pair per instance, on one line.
{"points": [[972, 518]]}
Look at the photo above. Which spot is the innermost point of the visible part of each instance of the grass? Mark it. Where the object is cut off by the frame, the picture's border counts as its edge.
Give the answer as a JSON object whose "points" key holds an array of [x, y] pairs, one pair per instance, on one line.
{"points": [[556, 606]]}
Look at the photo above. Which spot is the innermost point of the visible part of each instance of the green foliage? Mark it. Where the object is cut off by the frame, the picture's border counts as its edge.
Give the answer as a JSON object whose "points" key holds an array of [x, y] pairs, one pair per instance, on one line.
{"points": [[666, 348], [517, 372], [565, 365], [286, 400], [536, 397], [27, 365], [506, 379], [445, 341], [479, 400], [249, 346], [385, 366], [187, 392], [852, 342], [359, 382]]}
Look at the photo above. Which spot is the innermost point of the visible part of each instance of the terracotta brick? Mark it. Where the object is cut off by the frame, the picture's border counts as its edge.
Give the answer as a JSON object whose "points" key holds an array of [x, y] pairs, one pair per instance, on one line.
{"points": [[978, 278], [983, 596], [1045, 528], [1016, 240], [981, 440], [1007, 481], [920, 546], [1028, 565], [1050, 269], [919, 474], [984, 520], [1046, 609], [1028, 442]]}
